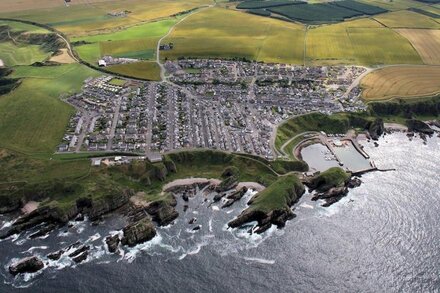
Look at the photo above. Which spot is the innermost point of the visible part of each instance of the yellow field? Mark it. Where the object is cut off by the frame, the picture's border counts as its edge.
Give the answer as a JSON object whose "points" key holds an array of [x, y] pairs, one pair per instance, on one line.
{"points": [[407, 19], [363, 42], [426, 42], [14, 5], [218, 32], [394, 4], [85, 19], [401, 82], [144, 70]]}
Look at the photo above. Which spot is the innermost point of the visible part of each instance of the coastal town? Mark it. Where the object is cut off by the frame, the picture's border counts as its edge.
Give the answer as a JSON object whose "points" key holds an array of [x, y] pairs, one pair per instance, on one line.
{"points": [[213, 104]]}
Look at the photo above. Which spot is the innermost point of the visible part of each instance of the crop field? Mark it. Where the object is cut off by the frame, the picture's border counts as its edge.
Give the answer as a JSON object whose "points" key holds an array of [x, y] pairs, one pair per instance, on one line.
{"points": [[362, 41], [401, 82], [426, 42], [315, 13], [135, 42], [361, 7], [265, 4], [144, 70], [407, 19], [34, 120], [393, 5], [13, 55], [218, 32], [85, 19]]}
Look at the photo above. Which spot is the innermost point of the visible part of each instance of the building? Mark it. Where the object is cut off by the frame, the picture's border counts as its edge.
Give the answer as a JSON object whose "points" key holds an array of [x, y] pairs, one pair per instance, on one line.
{"points": [[102, 63]]}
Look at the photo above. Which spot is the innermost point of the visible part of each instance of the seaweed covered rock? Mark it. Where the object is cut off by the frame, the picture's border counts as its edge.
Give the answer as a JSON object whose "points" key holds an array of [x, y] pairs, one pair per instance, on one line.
{"points": [[138, 232], [26, 265], [108, 203], [235, 196]]}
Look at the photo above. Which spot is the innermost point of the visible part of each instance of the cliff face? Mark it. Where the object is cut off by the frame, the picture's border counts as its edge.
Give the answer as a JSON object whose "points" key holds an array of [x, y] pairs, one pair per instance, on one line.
{"points": [[376, 128]]}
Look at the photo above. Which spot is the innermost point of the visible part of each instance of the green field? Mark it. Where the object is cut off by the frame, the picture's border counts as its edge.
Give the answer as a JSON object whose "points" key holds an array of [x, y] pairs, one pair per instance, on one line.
{"points": [[135, 42], [32, 117], [13, 55]]}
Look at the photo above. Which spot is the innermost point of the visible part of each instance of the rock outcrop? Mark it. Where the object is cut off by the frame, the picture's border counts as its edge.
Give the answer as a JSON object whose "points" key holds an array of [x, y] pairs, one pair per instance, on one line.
{"points": [[108, 204], [235, 197], [163, 212], [26, 265], [112, 243], [419, 126], [376, 128], [138, 232]]}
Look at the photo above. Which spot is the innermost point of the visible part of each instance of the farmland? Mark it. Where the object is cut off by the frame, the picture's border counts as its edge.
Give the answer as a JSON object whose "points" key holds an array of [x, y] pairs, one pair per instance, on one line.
{"points": [[401, 82], [407, 19], [34, 120], [85, 19], [426, 42], [315, 13], [143, 70], [361, 41], [207, 34], [135, 42], [13, 55]]}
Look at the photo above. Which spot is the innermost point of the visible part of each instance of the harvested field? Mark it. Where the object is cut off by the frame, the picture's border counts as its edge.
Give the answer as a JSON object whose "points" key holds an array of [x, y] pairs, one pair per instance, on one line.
{"points": [[407, 19], [62, 58], [218, 32], [361, 41], [85, 19], [401, 82], [144, 70], [426, 42]]}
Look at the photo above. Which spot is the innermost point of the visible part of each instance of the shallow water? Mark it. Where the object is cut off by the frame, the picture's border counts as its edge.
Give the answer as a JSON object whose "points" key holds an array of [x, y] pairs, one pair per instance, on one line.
{"points": [[383, 237]]}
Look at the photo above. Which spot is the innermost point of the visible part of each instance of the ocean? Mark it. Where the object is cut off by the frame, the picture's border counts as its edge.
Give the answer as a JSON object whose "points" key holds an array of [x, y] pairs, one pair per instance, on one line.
{"points": [[383, 237]]}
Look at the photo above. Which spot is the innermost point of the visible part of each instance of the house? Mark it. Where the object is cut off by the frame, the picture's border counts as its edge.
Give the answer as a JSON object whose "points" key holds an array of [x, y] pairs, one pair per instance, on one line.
{"points": [[102, 63]]}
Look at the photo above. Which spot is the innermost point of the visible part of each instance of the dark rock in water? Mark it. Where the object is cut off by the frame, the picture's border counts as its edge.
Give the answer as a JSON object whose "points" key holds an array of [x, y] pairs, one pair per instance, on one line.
{"points": [[26, 265], [192, 221], [79, 251], [234, 197], [332, 195], [376, 144], [376, 128], [138, 232], [185, 197], [162, 212], [354, 182], [219, 196], [196, 228], [43, 231], [55, 255], [81, 257], [265, 220], [112, 243], [185, 208], [419, 126]]}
